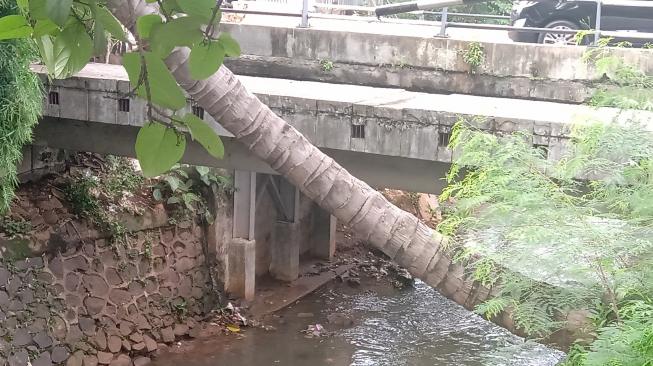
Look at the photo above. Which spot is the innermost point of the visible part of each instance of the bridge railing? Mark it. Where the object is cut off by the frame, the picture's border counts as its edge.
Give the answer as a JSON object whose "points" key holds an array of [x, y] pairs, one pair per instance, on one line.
{"points": [[364, 10]]}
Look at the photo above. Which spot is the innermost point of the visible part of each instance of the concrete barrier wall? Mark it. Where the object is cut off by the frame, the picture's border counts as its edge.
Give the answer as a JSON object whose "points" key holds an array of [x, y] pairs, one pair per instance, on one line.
{"points": [[425, 64]]}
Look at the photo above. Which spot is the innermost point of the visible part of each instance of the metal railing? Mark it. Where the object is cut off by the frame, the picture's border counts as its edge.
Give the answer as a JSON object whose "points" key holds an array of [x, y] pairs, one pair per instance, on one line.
{"points": [[311, 9]]}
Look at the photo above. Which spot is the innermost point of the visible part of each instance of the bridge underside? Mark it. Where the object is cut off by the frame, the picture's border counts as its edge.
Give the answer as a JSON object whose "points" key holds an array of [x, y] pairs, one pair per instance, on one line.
{"points": [[380, 171], [268, 225]]}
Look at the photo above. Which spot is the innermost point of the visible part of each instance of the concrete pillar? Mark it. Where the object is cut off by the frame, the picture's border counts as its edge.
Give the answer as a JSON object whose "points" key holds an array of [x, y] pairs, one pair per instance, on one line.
{"points": [[241, 269], [323, 237], [39, 161], [241, 253], [244, 204], [284, 258]]}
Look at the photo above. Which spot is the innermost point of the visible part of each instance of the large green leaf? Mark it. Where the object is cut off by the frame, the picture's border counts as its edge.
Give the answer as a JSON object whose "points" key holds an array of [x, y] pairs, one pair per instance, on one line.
{"points": [[23, 5], [100, 39], [145, 23], [164, 90], [37, 9], [200, 8], [230, 45], [184, 31], [45, 26], [205, 135], [14, 26], [46, 49], [158, 148], [110, 23], [170, 6], [58, 10], [205, 59], [73, 49]]}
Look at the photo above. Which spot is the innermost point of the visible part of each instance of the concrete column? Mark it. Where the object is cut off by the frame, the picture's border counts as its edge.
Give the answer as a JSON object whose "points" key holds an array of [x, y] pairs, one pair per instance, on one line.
{"points": [[241, 269], [323, 237], [244, 204], [284, 255], [39, 161], [241, 258]]}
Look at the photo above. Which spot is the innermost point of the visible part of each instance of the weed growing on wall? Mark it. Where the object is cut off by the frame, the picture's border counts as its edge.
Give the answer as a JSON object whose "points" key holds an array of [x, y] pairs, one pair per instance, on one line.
{"points": [[627, 86], [474, 55], [326, 65], [183, 188]]}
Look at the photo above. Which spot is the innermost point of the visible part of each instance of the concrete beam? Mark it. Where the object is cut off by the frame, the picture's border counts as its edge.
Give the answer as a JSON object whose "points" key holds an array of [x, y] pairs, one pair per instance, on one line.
{"points": [[377, 170]]}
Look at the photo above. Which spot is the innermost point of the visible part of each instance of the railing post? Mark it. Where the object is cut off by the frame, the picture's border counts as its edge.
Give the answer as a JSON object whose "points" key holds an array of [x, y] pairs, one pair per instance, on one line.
{"points": [[443, 22], [304, 23], [597, 33]]}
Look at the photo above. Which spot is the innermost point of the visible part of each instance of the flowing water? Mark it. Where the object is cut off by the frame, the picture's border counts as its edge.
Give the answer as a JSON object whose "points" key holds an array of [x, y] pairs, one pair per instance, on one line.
{"points": [[411, 327]]}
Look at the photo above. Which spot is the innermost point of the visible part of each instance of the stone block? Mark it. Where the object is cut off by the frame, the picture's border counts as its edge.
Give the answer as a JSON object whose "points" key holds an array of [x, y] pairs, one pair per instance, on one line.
{"points": [[95, 284], [167, 335], [180, 330], [75, 359], [150, 344], [42, 340], [94, 305], [59, 354], [114, 343], [19, 358], [21, 338], [141, 361], [43, 360], [90, 360], [104, 358], [100, 340]]}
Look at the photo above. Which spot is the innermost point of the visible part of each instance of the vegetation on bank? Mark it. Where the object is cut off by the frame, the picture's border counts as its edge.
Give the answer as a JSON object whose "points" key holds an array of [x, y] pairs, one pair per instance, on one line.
{"points": [[20, 106], [581, 227]]}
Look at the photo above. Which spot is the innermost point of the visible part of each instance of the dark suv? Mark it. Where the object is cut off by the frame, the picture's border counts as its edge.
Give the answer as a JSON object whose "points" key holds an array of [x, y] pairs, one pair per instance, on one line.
{"points": [[627, 15]]}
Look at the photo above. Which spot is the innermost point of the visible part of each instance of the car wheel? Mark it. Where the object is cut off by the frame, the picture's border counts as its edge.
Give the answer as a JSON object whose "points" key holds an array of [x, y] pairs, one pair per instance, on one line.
{"points": [[559, 38]]}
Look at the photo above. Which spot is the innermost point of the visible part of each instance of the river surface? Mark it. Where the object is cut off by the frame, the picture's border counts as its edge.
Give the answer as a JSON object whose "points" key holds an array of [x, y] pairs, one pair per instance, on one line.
{"points": [[408, 327]]}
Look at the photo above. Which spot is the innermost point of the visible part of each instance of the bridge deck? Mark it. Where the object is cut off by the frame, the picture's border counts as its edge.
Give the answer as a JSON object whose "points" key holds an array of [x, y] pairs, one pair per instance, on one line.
{"points": [[402, 133]]}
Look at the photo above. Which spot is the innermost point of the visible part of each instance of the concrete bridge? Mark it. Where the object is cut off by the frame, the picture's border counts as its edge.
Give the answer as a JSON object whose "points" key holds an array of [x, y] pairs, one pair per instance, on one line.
{"points": [[389, 137], [413, 57]]}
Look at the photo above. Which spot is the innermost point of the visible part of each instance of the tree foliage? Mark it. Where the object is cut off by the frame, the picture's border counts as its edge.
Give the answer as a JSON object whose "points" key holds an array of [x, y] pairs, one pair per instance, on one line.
{"points": [[68, 33], [20, 98], [580, 229]]}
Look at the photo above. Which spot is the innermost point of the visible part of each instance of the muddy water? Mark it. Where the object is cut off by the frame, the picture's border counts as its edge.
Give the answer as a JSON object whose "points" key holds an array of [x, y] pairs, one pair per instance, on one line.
{"points": [[391, 327]]}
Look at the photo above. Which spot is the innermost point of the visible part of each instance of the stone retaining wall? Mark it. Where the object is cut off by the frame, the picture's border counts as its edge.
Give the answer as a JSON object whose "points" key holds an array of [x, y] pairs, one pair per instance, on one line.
{"points": [[70, 296]]}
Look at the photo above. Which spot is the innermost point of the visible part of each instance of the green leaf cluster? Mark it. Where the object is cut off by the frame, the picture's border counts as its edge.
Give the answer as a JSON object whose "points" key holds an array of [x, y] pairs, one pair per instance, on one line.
{"points": [[627, 87], [576, 233], [68, 33], [184, 187], [20, 105]]}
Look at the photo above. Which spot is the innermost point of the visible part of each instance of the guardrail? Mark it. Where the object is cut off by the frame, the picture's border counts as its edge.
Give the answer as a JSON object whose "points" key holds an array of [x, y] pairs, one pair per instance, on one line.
{"points": [[422, 8]]}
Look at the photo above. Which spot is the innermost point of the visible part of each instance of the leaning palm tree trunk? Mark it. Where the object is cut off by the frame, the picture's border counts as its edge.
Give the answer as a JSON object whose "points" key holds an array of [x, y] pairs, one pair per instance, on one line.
{"points": [[397, 233]]}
